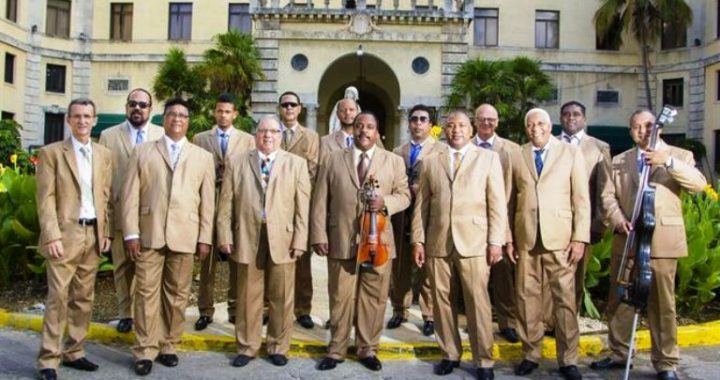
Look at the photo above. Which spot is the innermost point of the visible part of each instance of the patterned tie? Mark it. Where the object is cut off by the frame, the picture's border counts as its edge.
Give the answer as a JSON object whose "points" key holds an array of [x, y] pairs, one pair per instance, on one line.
{"points": [[348, 141], [485, 145], [362, 168], [457, 161], [287, 137], [224, 142], [85, 186], [174, 154], [539, 161], [567, 139], [265, 171], [415, 150], [140, 138]]}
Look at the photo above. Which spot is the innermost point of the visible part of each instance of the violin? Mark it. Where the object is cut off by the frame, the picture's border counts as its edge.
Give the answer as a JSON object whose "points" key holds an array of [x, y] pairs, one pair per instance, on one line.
{"points": [[371, 252], [635, 277]]}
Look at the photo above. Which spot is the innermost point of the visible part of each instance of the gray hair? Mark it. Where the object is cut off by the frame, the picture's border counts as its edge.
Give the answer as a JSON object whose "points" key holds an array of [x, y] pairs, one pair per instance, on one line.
{"points": [[545, 115]]}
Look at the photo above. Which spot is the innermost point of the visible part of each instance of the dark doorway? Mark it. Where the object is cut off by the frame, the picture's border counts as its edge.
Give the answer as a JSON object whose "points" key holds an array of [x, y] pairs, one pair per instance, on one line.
{"points": [[54, 127]]}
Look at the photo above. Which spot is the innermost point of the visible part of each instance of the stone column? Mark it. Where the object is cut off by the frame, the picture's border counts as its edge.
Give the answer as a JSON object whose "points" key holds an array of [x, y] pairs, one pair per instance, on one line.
{"points": [[311, 116], [402, 135]]}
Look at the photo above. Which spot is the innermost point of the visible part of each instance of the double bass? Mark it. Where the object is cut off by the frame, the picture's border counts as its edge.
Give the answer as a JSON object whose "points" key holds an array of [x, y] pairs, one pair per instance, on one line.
{"points": [[371, 251], [635, 276]]}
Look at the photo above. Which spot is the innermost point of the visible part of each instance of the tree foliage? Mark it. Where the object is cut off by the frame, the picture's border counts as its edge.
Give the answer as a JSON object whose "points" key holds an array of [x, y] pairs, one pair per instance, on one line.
{"points": [[513, 87]]}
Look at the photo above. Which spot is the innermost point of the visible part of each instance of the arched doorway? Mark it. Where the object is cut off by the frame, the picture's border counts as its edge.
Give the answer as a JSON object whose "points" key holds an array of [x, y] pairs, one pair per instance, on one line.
{"points": [[378, 87]]}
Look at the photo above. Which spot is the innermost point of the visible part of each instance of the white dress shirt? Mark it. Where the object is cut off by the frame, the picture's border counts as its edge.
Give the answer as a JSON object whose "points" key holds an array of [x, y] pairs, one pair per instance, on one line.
{"points": [[87, 203]]}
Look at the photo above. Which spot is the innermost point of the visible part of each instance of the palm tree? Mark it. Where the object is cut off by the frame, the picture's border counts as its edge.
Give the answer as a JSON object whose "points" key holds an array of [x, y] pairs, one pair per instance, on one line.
{"points": [[643, 19], [176, 78]]}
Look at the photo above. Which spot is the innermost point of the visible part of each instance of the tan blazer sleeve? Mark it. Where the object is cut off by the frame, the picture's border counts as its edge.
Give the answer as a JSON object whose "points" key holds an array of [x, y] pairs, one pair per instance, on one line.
{"points": [[604, 184], [207, 202], [580, 194], [498, 227], [399, 198], [46, 198], [225, 205], [131, 197], [313, 157], [685, 173], [302, 208], [318, 218], [422, 206]]}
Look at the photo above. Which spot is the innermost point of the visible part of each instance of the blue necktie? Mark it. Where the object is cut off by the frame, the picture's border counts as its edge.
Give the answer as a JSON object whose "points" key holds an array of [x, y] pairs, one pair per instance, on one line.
{"points": [[485, 145], [640, 164], [539, 161], [414, 153], [223, 142], [348, 141], [139, 138]]}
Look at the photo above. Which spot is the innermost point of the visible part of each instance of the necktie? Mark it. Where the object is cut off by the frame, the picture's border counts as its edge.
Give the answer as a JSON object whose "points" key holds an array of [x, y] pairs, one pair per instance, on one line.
{"points": [[223, 142], [174, 154], [362, 168], [265, 170], [348, 141], [287, 137], [567, 139], [640, 164], [139, 138], [456, 162], [485, 145], [414, 153], [539, 161], [85, 185]]}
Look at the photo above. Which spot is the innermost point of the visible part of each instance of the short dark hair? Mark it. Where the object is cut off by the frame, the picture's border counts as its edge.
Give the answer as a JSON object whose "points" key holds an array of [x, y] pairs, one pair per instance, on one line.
{"points": [[82, 102], [176, 102], [368, 113], [290, 93], [422, 107], [226, 98], [572, 103], [140, 90]]}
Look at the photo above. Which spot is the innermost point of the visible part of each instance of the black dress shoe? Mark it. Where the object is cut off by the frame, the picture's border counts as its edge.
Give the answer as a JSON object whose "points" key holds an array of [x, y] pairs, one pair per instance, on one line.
{"points": [[143, 367], [372, 363], [445, 366], [82, 364], [428, 328], [328, 363], [48, 374], [525, 368], [510, 334], [278, 360], [306, 321], [485, 374], [203, 322], [124, 325], [168, 360], [241, 360], [667, 375], [231, 320], [266, 319], [608, 363], [395, 321], [570, 372]]}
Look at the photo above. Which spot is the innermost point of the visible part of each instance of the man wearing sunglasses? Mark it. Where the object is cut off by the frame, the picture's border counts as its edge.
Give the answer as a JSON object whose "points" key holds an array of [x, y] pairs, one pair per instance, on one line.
{"points": [[346, 111], [121, 139], [401, 290], [305, 143], [223, 140]]}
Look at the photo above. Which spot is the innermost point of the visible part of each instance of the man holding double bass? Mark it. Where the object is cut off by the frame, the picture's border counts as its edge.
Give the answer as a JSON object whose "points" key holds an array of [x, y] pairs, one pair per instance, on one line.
{"points": [[335, 233], [672, 170]]}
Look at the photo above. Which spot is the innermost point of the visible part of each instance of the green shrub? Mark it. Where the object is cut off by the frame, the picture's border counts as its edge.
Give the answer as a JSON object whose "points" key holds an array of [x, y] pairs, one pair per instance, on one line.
{"points": [[19, 228]]}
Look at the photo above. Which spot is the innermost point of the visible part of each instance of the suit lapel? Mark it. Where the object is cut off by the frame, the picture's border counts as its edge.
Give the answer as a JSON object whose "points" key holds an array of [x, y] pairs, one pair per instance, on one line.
{"points": [[631, 165], [444, 158], [553, 154], [216, 150], [69, 154], [470, 155], [97, 174], [160, 146], [297, 137], [254, 164], [339, 139], [279, 160], [405, 154], [528, 157], [350, 165], [124, 137]]}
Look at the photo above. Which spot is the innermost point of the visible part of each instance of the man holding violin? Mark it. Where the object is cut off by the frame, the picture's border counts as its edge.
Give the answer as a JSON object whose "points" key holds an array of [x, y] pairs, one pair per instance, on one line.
{"points": [[672, 170], [335, 232], [459, 226]]}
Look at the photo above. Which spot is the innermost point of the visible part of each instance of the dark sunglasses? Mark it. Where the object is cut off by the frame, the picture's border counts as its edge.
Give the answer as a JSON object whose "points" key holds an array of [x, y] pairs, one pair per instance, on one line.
{"points": [[288, 105], [142, 105], [415, 119]]}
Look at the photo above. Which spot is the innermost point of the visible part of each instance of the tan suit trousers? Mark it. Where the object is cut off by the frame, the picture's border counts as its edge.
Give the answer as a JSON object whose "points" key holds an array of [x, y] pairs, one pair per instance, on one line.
{"points": [[403, 286], [206, 293], [162, 289], [124, 275], [71, 290], [548, 317], [303, 284], [531, 268], [474, 274], [665, 353], [252, 280], [502, 282], [368, 292]]}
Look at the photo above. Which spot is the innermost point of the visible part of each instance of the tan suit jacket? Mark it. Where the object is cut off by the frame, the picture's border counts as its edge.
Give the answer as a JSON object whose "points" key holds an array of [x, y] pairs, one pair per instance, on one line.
{"points": [[404, 152], [597, 165], [287, 203], [166, 207], [470, 209], [336, 204], [239, 141], [336, 141], [117, 139], [58, 193], [669, 240], [557, 204], [306, 144]]}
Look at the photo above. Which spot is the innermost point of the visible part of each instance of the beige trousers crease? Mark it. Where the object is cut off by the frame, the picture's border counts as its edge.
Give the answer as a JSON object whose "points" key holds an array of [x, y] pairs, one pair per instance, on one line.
{"points": [[303, 284], [123, 275], [206, 293], [405, 280]]}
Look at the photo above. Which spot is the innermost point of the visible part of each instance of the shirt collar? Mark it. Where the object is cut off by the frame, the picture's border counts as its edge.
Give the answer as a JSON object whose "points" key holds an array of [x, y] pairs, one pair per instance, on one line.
{"points": [[370, 152], [132, 129], [422, 143], [490, 141], [462, 150], [545, 148], [77, 144], [579, 135], [229, 132], [270, 157], [283, 127], [169, 142]]}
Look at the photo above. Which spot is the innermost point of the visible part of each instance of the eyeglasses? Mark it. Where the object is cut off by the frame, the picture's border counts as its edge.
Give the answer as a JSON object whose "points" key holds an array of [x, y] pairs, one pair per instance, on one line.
{"points": [[267, 131], [142, 105], [174, 115], [422, 119], [288, 105], [488, 120]]}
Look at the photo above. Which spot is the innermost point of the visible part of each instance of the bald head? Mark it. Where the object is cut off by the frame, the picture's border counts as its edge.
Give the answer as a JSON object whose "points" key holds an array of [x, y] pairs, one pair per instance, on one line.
{"points": [[267, 135], [486, 121]]}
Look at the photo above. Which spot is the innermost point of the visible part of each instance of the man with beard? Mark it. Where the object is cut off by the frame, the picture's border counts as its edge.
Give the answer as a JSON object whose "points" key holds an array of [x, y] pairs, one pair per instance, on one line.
{"points": [[223, 140], [334, 232], [347, 110], [121, 139]]}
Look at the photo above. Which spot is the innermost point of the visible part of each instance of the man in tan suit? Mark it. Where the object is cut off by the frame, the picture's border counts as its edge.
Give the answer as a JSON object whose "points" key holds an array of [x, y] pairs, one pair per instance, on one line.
{"points": [[459, 224], [335, 233], [551, 228], [346, 112], [672, 171], [263, 225], [305, 143], [168, 207], [223, 141], [401, 285], [502, 275], [121, 139], [597, 165], [74, 206]]}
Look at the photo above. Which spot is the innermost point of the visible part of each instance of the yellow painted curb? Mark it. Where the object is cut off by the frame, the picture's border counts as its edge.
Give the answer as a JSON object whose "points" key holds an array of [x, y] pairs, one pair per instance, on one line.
{"points": [[704, 334]]}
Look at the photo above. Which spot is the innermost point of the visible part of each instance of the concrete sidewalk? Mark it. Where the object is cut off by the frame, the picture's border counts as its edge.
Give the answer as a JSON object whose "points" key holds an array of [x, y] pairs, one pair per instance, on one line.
{"points": [[405, 342]]}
